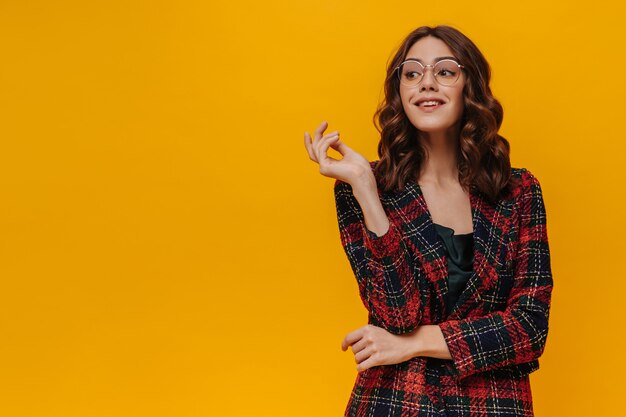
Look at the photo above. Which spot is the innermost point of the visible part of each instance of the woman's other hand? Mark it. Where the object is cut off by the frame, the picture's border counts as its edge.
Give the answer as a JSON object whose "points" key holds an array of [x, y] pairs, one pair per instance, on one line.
{"points": [[353, 168], [374, 346]]}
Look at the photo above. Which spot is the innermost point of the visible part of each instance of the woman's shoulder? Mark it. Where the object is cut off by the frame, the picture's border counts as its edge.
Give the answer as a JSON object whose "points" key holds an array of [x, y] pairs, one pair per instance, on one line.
{"points": [[521, 173], [523, 177], [525, 185]]}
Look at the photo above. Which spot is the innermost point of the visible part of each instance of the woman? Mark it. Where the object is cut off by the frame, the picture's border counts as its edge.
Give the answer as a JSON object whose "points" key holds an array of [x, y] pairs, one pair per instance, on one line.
{"points": [[447, 241]]}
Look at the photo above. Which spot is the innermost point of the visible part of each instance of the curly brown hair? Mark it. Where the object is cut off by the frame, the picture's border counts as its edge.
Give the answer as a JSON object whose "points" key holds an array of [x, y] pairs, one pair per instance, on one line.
{"points": [[483, 160]]}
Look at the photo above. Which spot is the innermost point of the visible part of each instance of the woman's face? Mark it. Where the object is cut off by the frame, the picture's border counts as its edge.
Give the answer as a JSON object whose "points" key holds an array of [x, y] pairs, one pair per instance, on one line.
{"points": [[444, 116]]}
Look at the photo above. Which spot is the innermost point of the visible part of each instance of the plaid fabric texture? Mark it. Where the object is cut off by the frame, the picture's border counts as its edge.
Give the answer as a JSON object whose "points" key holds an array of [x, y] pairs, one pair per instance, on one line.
{"points": [[496, 331]]}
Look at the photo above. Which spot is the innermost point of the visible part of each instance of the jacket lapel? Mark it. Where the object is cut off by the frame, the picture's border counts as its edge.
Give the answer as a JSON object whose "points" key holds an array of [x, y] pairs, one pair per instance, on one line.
{"points": [[488, 245], [488, 224]]}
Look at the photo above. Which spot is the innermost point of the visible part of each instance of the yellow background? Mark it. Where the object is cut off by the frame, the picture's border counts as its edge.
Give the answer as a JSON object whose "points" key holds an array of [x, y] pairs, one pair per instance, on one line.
{"points": [[167, 247]]}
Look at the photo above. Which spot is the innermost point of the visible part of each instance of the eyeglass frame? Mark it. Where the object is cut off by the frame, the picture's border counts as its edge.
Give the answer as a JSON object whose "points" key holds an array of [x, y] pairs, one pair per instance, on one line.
{"points": [[397, 70]]}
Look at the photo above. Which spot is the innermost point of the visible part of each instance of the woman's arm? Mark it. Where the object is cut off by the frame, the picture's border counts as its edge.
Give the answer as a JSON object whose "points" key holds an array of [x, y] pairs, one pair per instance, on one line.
{"points": [[518, 334], [366, 194], [378, 254], [382, 264]]}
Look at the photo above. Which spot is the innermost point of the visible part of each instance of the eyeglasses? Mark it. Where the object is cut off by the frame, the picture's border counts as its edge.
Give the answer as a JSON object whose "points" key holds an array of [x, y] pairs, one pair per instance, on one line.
{"points": [[411, 72]]}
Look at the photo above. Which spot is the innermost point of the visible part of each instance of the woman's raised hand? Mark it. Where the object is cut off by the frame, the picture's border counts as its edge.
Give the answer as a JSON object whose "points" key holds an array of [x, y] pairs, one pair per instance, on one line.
{"points": [[353, 167]]}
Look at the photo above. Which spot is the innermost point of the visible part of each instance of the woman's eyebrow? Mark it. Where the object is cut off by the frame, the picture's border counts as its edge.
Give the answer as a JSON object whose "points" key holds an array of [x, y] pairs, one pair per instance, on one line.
{"points": [[439, 58]]}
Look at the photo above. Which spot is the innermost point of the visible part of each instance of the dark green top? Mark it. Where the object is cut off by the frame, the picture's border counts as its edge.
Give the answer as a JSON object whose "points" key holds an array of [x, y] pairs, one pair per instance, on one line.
{"points": [[460, 254]]}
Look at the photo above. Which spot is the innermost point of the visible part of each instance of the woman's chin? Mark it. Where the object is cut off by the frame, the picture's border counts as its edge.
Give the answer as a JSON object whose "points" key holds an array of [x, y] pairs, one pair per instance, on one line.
{"points": [[432, 128]]}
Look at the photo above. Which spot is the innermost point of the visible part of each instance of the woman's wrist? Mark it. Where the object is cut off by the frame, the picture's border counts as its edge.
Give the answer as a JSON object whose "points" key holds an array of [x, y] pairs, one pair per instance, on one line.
{"points": [[428, 340], [365, 185], [417, 341]]}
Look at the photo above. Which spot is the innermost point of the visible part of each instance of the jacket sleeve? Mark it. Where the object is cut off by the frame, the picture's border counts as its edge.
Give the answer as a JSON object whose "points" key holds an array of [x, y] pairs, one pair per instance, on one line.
{"points": [[518, 334], [382, 266]]}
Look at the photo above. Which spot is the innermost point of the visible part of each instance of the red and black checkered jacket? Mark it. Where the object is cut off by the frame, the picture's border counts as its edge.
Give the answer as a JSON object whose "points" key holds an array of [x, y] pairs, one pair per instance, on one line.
{"points": [[498, 328]]}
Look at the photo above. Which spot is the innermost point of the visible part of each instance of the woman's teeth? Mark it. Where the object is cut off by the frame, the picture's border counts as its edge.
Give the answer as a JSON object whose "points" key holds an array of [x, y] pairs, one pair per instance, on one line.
{"points": [[428, 103]]}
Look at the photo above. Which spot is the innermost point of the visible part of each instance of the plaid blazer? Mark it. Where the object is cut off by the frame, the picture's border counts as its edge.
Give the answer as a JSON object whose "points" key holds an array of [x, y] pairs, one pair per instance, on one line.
{"points": [[497, 330]]}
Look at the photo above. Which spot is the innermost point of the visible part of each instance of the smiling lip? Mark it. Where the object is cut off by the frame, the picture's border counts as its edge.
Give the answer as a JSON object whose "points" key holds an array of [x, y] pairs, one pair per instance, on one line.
{"points": [[429, 109], [428, 98]]}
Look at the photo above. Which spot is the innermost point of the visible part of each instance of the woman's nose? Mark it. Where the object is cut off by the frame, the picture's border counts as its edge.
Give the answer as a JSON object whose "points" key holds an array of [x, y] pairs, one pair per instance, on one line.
{"points": [[428, 79]]}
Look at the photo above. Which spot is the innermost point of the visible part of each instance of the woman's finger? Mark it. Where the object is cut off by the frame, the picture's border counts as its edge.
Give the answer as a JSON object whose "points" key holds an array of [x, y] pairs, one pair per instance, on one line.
{"points": [[326, 143], [309, 146], [320, 129], [351, 338], [340, 147], [367, 363], [363, 354], [359, 346], [317, 146], [328, 135]]}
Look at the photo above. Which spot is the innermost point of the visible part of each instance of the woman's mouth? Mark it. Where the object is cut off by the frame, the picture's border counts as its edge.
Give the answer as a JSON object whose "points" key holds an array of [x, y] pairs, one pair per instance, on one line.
{"points": [[429, 106]]}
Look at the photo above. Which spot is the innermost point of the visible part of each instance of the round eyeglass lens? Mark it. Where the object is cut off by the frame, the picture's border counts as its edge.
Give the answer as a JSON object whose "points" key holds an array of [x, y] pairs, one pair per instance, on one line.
{"points": [[446, 72]]}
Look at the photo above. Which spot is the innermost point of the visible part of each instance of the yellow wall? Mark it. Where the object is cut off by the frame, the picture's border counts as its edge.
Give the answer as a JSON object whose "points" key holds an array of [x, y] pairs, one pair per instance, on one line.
{"points": [[167, 248]]}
